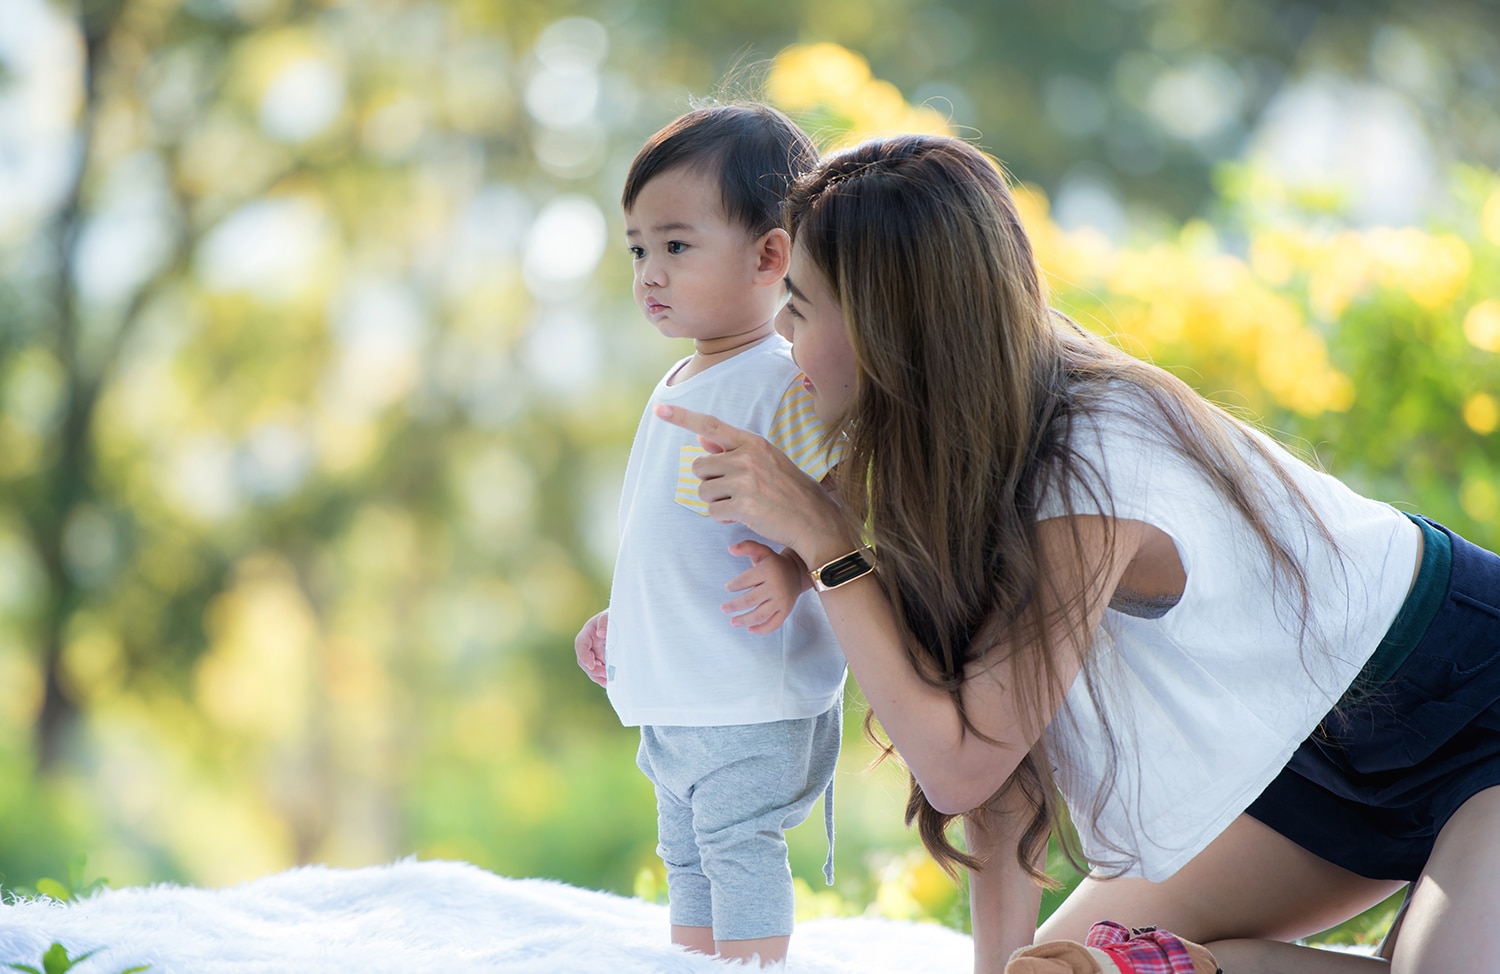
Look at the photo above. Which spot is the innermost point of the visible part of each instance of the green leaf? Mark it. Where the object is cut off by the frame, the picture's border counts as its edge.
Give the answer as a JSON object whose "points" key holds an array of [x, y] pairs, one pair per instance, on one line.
{"points": [[57, 961], [54, 889], [27, 968], [136, 970]]}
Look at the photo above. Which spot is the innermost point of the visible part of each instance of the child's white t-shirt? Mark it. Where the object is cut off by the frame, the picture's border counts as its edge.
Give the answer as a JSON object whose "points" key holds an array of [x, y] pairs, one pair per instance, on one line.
{"points": [[671, 655], [1209, 701]]}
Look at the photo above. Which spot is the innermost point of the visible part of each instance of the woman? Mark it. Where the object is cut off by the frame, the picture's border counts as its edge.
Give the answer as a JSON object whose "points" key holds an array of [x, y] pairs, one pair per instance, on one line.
{"points": [[1267, 701]]}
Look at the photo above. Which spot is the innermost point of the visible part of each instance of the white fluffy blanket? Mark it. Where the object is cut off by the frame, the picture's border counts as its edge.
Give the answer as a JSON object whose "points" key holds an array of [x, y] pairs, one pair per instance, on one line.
{"points": [[423, 916]]}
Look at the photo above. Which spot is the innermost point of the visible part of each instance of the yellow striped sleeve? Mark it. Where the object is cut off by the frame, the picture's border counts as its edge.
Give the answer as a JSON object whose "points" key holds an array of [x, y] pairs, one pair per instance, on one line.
{"points": [[797, 432], [687, 482]]}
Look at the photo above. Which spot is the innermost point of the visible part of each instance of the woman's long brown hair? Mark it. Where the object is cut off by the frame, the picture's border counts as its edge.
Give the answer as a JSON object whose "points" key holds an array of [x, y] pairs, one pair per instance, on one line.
{"points": [[967, 388]]}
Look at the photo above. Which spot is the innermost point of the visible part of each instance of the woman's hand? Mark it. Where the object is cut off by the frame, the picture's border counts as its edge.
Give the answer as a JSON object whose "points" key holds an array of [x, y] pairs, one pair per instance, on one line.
{"points": [[747, 480]]}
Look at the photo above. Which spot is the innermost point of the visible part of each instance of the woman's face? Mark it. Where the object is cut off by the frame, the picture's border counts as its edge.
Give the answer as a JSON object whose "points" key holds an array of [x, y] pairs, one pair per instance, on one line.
{"points": [[814, 323]]}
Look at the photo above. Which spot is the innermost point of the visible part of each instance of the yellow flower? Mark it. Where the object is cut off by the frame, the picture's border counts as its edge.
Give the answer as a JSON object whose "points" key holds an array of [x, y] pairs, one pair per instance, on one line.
{"points": [[1293, 367], [813, 904], [1482, 325], [913, 887], [1340, 272], [1432, 269], [1479, 499], [1489, 218], [826, 76], [808, 75], [1482, 413], [1275, 257], [1442, 273]]}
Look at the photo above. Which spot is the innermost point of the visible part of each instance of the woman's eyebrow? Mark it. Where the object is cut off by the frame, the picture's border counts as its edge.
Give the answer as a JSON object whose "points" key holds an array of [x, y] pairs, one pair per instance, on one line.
{"points": [[796, 292]]}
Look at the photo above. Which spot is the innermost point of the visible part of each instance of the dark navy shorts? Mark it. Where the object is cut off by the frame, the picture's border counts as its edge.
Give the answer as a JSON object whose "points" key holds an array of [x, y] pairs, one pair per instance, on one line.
{"points": [[1380, 777]]}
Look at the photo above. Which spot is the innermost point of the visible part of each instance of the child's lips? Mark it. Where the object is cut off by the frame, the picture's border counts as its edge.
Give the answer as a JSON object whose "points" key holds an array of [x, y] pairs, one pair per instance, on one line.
{"points": [[655, 307]]}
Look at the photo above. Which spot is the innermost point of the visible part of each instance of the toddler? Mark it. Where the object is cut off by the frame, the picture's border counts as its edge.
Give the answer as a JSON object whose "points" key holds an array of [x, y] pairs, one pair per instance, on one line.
{"points": [[738, 702]]}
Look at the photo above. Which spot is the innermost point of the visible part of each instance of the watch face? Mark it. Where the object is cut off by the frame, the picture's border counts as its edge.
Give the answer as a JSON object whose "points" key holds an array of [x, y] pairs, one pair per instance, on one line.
{"points": [[845, 569]]}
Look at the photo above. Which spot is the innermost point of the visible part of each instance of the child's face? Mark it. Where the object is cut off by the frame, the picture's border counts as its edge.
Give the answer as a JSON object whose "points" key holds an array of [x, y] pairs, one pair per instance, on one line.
{"points": [[695, 272], [814, 322]]}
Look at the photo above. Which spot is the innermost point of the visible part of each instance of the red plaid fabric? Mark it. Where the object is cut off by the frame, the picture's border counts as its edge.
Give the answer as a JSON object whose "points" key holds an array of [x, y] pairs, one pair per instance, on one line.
{"points": [[1144, 951]]}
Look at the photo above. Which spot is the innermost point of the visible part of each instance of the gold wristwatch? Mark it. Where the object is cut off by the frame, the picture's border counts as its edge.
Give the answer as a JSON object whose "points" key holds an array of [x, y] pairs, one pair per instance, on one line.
{"points": [[844, 569]]}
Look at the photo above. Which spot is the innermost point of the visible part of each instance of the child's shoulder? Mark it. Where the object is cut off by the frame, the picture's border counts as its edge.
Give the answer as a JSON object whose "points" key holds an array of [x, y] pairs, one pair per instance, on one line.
{"points": [[769, 361], [773, 345], [782, 376]]}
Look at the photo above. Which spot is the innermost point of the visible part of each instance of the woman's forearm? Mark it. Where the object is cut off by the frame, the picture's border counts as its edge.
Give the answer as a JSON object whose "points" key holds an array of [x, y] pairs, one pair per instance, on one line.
{"points": [[1003, 901], [956, 768], [1009, 695]]}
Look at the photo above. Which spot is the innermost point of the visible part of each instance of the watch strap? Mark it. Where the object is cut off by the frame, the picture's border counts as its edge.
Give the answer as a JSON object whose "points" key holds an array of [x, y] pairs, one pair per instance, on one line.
{"points": [[844, 569]]}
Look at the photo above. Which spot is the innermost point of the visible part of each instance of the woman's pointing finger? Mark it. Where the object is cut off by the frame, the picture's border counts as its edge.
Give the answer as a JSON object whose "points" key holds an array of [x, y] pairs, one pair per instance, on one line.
{"points": [[715, 434]]}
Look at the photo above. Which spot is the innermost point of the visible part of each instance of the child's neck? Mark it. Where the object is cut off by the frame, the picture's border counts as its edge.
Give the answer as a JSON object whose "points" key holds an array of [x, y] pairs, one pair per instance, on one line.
{"points": [[708, 352]]}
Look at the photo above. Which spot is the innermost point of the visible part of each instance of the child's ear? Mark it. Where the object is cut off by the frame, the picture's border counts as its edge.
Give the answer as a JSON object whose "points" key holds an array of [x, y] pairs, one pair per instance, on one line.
{"points": [[773, 256]]}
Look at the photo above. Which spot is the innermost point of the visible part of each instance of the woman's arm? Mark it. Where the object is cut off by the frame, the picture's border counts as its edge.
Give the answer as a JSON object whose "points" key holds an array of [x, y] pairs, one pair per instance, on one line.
{"points": [[747, 480], [956, 768], [1003, 900]]}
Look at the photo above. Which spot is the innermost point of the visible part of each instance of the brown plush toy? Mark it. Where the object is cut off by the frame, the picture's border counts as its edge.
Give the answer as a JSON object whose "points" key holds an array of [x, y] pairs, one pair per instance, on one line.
{"points": [[1112, 949]]}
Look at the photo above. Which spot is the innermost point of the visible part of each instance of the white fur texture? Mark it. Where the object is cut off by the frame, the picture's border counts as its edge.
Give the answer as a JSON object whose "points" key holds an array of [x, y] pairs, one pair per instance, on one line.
{"points": [[424, 916]]}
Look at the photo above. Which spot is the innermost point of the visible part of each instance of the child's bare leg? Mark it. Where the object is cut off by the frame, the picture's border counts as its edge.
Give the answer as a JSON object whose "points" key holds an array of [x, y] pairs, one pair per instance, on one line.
{"points": [[772, 950], [700, 940]]}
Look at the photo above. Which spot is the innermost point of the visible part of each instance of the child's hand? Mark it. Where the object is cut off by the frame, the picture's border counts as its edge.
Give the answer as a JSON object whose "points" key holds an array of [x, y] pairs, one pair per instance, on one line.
{"points": [[590, 647], [769, 587]]}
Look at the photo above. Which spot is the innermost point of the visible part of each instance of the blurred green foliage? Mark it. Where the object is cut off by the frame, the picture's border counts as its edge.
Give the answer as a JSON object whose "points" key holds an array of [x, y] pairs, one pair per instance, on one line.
{"points": [[318, 368], [68, 890]]}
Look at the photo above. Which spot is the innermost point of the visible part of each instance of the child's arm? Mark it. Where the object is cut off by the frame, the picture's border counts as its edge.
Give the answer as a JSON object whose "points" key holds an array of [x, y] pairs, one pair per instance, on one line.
{"points": [[589, 645], [771, 584], [768, 588]]}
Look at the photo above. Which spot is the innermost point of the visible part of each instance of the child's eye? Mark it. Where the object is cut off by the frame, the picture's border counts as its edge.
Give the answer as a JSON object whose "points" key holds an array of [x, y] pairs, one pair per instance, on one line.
{"points": [[675, 246], [637, 252], [791, 309]]}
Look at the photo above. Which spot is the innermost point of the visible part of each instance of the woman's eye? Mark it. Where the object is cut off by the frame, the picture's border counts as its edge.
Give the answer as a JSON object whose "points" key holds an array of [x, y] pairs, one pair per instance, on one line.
{"points": [[676, 246], [791, 309]]}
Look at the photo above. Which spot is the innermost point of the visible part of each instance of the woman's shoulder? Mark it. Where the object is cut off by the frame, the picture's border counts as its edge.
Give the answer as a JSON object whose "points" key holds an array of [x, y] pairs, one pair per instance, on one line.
{"points": [[1114, 416], [1117, 449]]}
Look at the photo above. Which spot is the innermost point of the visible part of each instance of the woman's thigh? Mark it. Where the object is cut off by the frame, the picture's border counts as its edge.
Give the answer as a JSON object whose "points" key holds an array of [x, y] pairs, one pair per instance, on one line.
{"points": [[1250, 883], [1452, 923]]}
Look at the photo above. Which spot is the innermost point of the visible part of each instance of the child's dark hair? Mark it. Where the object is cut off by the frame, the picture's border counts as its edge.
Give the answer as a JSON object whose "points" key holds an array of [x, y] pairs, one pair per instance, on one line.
{"points": [[756, 152]]}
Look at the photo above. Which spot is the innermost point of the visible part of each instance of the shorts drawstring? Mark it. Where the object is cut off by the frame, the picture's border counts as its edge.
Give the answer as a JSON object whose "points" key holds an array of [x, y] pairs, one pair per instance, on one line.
{"points": [[828, 828]]}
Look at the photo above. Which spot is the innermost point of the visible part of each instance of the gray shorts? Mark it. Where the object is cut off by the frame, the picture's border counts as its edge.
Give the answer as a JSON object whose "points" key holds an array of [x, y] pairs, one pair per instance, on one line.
{"points": [[725, 797]]}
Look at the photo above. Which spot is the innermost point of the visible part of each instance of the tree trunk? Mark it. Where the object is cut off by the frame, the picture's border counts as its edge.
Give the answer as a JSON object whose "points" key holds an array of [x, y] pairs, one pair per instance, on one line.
{"points": [[68, 481]]}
